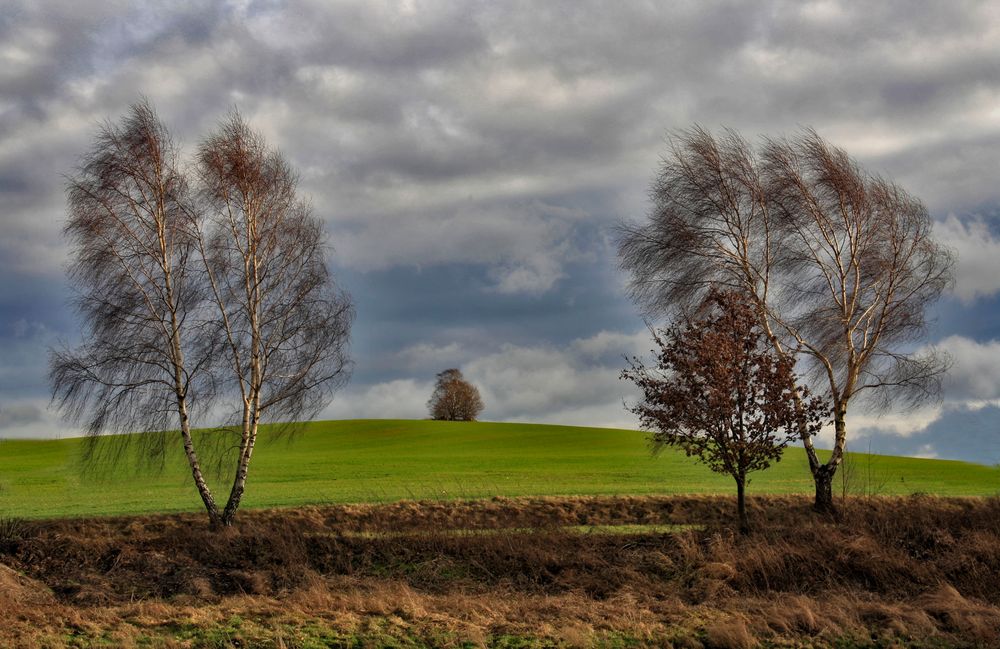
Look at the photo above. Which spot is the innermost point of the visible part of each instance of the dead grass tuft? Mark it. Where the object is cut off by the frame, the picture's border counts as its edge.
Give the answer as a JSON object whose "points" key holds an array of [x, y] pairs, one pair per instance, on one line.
{"points": [[956, 614], [730, 633], [21, 595]]}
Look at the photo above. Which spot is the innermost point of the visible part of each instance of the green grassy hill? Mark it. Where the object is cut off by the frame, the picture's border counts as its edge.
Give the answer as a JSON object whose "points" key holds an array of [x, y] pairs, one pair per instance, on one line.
{"points": [[385, 460]]}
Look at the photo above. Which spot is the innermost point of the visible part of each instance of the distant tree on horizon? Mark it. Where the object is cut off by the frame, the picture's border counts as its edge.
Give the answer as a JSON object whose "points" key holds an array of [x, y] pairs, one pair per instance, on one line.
{"points": [[720, 394], [454, 398]]}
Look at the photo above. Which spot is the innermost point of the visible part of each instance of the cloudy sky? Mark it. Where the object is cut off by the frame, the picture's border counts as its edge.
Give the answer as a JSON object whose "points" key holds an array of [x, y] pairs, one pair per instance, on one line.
{"points": [[470, 158]]}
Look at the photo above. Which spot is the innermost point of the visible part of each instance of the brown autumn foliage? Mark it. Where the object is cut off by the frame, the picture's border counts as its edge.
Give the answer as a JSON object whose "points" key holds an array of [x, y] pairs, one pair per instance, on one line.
{"points": [[917, 571], [719, 392], [454, 398]]}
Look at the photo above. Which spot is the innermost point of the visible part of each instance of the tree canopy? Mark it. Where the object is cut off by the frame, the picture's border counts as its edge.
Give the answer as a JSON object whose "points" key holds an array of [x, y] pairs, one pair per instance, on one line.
{"points": [[454, 398], [720, 393]]}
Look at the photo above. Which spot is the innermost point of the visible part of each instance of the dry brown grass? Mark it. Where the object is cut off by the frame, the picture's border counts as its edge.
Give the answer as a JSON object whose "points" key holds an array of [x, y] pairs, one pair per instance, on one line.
{"points": [[731, 633], [910, 570]]}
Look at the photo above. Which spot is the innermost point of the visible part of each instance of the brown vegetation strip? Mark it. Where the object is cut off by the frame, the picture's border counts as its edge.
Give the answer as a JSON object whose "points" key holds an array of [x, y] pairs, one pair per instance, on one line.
{"points": [[912, 568]]}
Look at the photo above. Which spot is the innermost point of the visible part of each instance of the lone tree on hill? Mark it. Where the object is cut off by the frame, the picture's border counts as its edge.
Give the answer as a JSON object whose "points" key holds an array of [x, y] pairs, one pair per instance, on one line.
{"points": [[720, 393], [454, 398], [195, 294], [838, 263]]}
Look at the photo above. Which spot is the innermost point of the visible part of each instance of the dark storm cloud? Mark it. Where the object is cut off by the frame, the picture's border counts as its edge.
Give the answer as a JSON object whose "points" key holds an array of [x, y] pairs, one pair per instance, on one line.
{"points": [[976, 321], [19, 415], [450, 305], [378, 36], [469, 158]]}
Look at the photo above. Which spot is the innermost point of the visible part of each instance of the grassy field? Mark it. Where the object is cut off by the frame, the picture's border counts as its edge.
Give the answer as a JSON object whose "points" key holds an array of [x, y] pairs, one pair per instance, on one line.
{"points": [[389, 460]]}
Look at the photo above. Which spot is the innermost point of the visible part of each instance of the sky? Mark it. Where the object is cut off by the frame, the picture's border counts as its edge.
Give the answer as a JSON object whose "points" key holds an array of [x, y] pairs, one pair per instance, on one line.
{"points": [[470, 161]]}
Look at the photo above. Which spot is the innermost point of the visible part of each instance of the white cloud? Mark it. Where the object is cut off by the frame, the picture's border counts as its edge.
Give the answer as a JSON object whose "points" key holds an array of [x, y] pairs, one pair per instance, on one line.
{"points": [[18, 414], [975, 374], [903, 424], [977, 272], [31, 418], [424, 355], [552, 385], [525, 246], [532, 276], [398, 399], [972, 384], [573, 384], [435, 138], [615, 344]]}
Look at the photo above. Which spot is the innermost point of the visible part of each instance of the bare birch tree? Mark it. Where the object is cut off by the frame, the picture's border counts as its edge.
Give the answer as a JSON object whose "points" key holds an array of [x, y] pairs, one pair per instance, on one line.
{"points": [[193, 298], [283, 323], [840, 263], [143, 366]]}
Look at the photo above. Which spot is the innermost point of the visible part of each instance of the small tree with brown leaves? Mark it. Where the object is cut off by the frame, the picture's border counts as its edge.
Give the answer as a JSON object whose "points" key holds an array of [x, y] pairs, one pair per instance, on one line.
{"points": [[722, 395], [454, 398]]}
